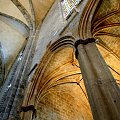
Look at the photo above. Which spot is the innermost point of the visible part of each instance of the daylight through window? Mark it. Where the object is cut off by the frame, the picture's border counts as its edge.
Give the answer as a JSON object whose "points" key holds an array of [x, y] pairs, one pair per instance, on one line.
{"points": [[68, 6]]}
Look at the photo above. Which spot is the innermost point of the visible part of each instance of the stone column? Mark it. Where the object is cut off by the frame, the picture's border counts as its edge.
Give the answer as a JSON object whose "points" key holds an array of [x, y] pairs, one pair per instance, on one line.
{"points": [[102, 89]]}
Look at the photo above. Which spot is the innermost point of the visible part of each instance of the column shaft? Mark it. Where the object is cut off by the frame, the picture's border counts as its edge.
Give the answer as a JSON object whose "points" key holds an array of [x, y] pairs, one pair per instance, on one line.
{"points": [[102, 89]]}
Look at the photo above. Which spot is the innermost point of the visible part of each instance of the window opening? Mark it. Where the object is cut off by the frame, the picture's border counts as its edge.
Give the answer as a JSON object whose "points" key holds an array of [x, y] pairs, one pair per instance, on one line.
{"points": [[68, 6]]}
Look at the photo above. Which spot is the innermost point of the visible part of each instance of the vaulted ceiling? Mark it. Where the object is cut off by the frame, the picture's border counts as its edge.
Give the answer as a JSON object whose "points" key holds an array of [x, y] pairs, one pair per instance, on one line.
{"points": [[105, 27], [17, 26], [41, 8]]}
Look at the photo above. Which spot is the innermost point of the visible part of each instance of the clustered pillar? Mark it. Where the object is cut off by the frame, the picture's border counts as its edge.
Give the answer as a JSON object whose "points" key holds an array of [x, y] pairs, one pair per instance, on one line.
{"points": [[102, 89]]}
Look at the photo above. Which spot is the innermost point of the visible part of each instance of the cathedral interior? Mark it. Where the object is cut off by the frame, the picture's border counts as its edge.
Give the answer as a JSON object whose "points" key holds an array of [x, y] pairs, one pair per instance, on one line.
{"points": [[59, 59]]}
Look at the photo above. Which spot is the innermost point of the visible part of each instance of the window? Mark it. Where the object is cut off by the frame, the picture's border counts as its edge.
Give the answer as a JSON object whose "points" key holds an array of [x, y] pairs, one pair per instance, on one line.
{"points": [[68, 6]]}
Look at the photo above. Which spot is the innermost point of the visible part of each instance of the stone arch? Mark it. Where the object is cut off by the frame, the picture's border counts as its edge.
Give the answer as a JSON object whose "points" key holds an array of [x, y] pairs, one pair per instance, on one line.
{"points": [[51, 77]]}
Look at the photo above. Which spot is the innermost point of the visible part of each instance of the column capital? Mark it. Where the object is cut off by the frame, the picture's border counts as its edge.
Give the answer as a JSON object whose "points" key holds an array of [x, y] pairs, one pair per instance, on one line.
{"points": [[83, 42]]}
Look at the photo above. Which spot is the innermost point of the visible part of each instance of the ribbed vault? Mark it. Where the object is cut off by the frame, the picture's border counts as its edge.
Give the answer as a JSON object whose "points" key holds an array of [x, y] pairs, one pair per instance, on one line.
{"points": [[19, 15], [106, 27], [61, 81], [58, 77], [41, 7]]}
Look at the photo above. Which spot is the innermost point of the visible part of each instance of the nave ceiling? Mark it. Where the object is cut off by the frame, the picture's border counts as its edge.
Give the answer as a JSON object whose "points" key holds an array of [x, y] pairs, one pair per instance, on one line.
{"points": [[105, 27], [14, 24]]}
